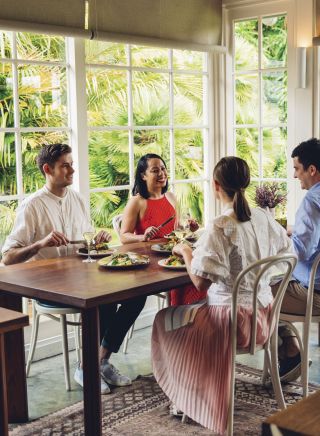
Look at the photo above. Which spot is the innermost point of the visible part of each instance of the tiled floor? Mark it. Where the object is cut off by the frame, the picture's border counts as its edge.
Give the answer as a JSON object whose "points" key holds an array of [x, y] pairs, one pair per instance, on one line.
{"points": [[46, 388]]}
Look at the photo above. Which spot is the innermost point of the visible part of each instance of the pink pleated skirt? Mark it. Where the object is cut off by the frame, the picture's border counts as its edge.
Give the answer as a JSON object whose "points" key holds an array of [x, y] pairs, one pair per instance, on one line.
{"points": [[193, 363]]}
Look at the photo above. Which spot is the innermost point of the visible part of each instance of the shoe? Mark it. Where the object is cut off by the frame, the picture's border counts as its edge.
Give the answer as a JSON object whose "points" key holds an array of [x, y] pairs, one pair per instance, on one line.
{"points": [[111, 375], [290, 368], [78, 377]]}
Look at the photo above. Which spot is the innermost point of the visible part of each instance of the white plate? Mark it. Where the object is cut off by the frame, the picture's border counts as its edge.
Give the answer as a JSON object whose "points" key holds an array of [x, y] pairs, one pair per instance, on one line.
{"points": [[162, 263], [144, 262], [158, 249], [94, 253]]}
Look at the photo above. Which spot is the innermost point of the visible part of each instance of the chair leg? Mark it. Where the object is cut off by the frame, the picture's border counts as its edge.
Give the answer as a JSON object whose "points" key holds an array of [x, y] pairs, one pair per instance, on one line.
{"points": [[34, 337], [64, 334], [319, 334], [76, 330], [265, 372], [271, 356], [126, 339]]}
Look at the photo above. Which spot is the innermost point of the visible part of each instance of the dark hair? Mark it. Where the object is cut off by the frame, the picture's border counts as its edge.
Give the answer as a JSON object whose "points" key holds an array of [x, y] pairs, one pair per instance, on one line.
{"points": [[140, 186], [233, 175], [50, 154], [308, 153]]}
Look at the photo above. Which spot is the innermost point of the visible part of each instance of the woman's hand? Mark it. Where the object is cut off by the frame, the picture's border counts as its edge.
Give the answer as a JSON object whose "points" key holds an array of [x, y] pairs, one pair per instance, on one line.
{"points": [[180, 248], [150, 233]]}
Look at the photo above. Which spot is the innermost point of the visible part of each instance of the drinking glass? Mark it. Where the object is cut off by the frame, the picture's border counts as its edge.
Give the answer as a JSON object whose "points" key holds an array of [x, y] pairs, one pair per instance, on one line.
{"points": [[89, 238]]}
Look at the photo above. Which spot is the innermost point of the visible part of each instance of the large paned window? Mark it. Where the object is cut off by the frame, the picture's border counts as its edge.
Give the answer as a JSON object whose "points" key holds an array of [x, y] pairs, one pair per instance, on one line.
{"points": [[145, 100], [260, 98], [33, 111]]}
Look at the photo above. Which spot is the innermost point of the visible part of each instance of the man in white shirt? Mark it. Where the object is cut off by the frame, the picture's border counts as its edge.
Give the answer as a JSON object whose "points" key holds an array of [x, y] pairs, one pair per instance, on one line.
{"points": [[46, 221]]}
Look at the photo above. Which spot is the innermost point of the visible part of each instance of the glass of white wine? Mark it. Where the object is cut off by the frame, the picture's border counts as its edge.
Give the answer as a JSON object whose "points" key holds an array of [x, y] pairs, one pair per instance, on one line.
{"points": [[89, 238]]}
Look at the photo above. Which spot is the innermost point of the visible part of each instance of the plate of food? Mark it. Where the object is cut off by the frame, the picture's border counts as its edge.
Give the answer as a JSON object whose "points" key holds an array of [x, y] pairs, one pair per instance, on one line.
{"points": [[163, 248], [97, 250], [176, 235], [124, 260], [173, 262], [191, 237]]}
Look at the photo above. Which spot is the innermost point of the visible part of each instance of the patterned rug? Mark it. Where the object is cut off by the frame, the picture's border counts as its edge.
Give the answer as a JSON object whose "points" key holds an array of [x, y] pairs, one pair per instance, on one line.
{"points": [[142, 409]]}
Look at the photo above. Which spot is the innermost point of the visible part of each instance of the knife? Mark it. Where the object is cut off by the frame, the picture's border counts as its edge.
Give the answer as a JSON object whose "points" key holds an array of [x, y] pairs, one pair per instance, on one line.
{"points": [[166, 221], [81, 241]]}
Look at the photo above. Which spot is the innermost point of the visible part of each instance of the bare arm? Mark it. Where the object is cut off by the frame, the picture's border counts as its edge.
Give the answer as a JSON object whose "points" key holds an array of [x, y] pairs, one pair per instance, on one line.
{"points": [[21, 254], [129, 221], [185, 251]]}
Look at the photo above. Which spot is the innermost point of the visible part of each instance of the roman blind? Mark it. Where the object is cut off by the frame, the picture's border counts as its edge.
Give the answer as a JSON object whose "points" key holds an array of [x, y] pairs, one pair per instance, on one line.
{"points": [[63, 17], [190, 24]]}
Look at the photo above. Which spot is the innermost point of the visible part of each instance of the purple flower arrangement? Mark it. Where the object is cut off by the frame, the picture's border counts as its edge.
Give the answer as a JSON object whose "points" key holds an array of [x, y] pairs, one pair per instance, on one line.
{"points": [[269, 195]]}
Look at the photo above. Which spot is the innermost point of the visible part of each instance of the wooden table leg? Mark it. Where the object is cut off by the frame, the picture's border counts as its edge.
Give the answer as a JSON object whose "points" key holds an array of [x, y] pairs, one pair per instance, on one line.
{"points": [[15, 364], [91, 372], [3, 391]]}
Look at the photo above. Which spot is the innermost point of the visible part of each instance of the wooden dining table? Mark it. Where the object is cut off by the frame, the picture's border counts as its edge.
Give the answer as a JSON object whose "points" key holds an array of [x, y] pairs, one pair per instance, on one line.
{"points": [[67, 280]]}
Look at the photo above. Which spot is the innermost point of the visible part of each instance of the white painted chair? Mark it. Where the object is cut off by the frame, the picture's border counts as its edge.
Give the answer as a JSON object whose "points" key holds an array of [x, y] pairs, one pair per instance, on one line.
{"points": [[271, 346], [58, 314], [161, 298], [306, 321]]}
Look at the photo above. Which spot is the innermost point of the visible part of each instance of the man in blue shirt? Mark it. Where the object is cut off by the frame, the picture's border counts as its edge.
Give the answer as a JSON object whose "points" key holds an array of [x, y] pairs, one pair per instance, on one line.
{"points": [[306, 242]]}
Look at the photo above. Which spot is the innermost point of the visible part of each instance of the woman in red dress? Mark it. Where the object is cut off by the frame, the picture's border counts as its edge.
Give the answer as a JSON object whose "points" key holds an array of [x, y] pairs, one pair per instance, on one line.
{"points": [[150, 205]]}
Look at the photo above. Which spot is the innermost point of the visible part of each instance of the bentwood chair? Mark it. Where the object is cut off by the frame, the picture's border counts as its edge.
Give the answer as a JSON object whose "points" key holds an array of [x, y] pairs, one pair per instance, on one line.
{"points": [[58, 314], [161, 298], [305, 319], [271, 346]]}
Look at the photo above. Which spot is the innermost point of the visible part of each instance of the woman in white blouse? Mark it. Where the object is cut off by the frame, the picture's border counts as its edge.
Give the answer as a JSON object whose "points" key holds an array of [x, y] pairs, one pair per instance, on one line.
{"points": [[190, 344]]}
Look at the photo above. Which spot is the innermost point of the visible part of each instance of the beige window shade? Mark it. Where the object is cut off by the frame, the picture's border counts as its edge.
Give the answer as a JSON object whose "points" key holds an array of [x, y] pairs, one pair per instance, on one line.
{"points": [[190, 24], [63, 17]]}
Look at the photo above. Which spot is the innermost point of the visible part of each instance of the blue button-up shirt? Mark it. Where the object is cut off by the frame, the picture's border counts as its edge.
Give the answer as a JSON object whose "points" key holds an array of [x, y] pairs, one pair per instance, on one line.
{"points": [[306, 235]]}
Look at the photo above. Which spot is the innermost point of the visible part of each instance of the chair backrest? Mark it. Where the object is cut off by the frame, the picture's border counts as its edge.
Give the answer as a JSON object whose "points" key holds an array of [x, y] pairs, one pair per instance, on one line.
{"points": [[262, 266], [116, 222]]}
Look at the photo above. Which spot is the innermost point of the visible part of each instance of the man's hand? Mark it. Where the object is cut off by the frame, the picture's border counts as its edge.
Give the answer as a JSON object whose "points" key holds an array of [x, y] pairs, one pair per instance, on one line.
{"points": [[102, 236], [54, 239]]}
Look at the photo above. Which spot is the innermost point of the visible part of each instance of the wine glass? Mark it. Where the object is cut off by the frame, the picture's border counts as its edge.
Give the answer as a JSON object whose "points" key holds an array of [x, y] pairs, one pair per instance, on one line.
{"points": [[89, 238]]}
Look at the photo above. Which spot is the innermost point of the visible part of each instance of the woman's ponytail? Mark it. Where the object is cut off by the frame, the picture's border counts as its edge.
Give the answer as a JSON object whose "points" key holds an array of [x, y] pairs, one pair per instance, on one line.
{"points": [[241, 206]]}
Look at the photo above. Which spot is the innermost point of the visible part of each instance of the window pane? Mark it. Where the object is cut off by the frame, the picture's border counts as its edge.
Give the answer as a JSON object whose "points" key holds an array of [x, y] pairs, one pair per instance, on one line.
{"points": [[107, 97], [190, 199], [152, 141], [247, 99], [37, 47], [246, 45], [5, 44], [32, 178], [149, 57], [188, 154], [274, 41], [8, 178], [6, 96], [275, 153], [42, 96], [188, 99], [100, 52], [150, 92], [247, 147], [274, 98], [7, 216], [109, 158], [188, 60], [104, 206]]}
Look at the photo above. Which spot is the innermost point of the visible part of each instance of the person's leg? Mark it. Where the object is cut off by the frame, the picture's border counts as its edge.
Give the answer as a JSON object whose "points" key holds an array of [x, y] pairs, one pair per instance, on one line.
{"points": [[116, 327]]}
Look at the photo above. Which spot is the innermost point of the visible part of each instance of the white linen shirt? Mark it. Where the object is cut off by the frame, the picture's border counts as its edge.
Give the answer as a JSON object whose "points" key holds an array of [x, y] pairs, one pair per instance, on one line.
{"points": [[228, 246], [42, 212]]}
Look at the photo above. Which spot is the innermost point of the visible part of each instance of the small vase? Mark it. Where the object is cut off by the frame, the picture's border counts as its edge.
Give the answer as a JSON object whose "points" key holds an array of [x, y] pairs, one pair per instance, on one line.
{"points": [[272, 211]]}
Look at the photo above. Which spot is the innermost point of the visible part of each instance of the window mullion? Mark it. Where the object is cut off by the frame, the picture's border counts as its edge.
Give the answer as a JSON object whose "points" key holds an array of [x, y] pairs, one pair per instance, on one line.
{"points": [[18, 144], [171, 119]]}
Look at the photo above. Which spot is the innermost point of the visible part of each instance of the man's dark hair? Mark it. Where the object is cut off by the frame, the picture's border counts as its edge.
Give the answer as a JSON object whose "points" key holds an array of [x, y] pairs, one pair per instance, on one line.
{"points": [[140, 186], [50, 154], [308, 153]]}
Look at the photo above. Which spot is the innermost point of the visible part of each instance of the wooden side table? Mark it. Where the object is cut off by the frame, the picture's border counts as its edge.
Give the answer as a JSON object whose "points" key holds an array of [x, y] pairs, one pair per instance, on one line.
{"points": [[9, 321], [302, 418]]}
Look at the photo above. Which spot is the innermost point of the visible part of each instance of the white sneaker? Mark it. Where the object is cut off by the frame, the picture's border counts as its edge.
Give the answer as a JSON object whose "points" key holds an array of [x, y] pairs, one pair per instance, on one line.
{"points": [[111, 375], [78, 377]]}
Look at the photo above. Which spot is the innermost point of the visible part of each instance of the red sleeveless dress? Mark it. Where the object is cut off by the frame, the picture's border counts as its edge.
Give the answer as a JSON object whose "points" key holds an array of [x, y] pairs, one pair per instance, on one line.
{"points": [[156, 213]]}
